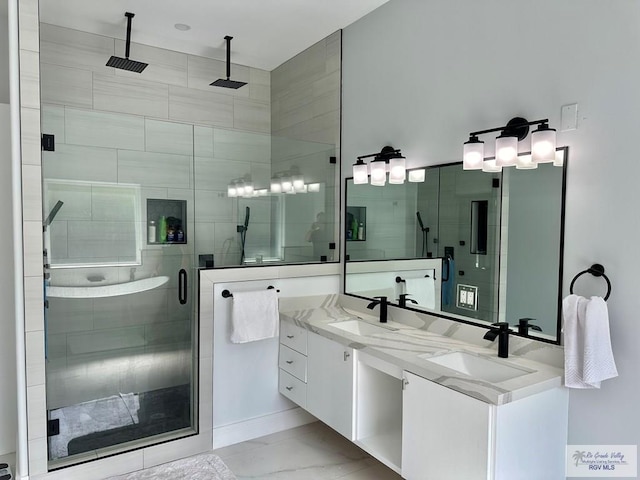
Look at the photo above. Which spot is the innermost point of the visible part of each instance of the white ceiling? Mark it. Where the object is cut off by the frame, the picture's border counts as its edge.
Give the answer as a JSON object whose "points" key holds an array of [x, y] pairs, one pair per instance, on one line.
{"points": [[266, 32]]}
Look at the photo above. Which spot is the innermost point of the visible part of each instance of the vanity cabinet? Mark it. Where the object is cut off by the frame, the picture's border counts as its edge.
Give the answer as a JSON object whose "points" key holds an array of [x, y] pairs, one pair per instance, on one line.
{"points": [[318, 374], [292, 363], [447, 435], [330, 383]]}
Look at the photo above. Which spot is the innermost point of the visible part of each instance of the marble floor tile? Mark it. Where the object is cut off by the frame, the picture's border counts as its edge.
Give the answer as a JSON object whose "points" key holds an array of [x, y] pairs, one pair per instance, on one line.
{"points": [[309, 452]]}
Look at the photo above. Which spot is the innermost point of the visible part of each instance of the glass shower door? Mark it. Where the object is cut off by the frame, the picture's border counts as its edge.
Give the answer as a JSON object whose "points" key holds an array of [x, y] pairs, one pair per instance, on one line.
{"points": [[120, 333]]}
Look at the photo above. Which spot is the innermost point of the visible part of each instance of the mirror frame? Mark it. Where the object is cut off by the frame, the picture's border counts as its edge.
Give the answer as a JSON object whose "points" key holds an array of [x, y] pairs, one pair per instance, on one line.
{"points": [[460, 319]]}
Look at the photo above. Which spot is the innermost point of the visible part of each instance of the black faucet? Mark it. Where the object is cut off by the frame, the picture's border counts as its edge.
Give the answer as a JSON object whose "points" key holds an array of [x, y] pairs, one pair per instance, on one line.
{"points": [[383, 308], [403, 300], [524, 326], [502, 331]]}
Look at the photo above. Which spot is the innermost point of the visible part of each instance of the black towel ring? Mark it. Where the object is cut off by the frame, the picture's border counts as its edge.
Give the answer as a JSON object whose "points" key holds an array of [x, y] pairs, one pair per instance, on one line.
{"points": [[596, 270]]}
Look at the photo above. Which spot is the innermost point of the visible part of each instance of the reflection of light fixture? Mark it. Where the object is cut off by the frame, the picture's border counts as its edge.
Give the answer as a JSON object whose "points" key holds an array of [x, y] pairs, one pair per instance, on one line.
{"points": [[313, 187], [298, 183], [232, 191], [276, 185], [378, 167], [543, 146], [287, 184], [417, 175]]}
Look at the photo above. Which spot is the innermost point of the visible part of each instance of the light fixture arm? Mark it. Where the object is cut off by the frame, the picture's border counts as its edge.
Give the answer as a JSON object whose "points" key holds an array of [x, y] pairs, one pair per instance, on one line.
{"points": [[385, 154], [518, 126]]}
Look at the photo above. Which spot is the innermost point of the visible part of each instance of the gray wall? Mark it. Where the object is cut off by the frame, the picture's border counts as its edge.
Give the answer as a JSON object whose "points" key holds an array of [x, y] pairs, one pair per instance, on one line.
{"points": [[451, 72]]}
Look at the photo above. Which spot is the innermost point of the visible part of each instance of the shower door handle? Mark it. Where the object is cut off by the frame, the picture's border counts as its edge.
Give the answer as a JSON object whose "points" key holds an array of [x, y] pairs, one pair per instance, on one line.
{"points": [[182, 286]]}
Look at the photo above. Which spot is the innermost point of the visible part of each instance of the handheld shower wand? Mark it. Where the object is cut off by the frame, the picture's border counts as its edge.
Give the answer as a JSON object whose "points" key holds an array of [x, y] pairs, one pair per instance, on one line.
{"points": [[242, 230], [425, 231]]}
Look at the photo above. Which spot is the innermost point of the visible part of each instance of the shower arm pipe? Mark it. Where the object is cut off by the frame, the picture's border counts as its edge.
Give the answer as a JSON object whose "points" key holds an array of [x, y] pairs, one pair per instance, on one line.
{"points": [[129, 16], [22, 447], [228, 39]]}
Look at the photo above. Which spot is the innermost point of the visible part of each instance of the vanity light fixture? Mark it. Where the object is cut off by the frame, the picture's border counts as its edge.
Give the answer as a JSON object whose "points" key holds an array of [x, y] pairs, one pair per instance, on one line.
{"points": [[378, 167], [543, 146], [417, 175]]}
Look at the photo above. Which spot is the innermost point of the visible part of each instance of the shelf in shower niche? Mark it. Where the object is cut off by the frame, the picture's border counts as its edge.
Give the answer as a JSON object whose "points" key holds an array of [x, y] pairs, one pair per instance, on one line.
{"points": [[175, 214]]}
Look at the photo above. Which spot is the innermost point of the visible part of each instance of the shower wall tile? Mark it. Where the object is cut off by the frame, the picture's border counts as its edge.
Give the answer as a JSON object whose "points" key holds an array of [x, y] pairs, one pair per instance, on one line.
{"points": [[204, 107], [165, 66], [213, 206], [203, 71], [244, 146], [32, 244], [130, 95], [215, 174], [30, 142], [29, 32], [145, 308], [73, 48], [37, 412], [261, 175], [103, 342], [251, 115], [36, 374], [66, 86], [34, 301], [76, 198], [204, 238], [38, 456], [101, 129], [168, 137], [29, 79], [69, 315], [88, 164], [260, 85], [203, 141], [31, 193], [53, 122], [154, 169], [100, 241]]}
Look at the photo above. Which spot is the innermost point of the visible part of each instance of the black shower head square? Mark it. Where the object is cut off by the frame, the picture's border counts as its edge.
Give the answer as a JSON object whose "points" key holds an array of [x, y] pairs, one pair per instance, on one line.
{"points": [[126, 64], [226, 83]]}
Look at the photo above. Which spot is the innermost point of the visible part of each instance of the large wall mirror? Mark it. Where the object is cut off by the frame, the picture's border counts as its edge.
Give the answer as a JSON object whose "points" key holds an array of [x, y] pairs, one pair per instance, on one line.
{"points": [[469, 245]]}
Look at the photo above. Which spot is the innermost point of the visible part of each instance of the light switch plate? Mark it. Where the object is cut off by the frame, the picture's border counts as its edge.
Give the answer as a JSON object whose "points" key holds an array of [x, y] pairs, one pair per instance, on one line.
{"points": [[467, 297]]}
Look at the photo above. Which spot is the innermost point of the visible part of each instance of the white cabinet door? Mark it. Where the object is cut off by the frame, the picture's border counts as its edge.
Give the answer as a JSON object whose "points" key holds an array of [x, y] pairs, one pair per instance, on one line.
{"points": [[446, 435], [330, 386]]}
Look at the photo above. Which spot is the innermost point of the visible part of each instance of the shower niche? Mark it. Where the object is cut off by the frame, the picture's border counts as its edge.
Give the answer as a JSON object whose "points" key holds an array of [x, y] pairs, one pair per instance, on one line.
{"points": [[166, 221]]}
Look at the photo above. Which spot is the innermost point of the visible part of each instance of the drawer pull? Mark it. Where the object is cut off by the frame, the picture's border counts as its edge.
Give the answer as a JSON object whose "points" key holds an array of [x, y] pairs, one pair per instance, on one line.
{"points": [[289, 362], [289, 388], [289, 336]]}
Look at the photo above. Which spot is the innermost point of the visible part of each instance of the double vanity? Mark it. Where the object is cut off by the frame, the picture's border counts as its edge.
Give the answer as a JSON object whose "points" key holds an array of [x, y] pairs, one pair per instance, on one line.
{"points": [[426, 396]]}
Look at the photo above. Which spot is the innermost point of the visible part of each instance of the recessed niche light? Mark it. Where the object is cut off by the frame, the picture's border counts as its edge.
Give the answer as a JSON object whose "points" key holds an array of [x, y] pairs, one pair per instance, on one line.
{"points": [[183, 27]]}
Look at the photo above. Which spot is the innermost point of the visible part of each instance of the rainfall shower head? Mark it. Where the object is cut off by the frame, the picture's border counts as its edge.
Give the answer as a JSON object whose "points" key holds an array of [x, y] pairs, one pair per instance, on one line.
{"points": [[125, 63], [227, 82]]}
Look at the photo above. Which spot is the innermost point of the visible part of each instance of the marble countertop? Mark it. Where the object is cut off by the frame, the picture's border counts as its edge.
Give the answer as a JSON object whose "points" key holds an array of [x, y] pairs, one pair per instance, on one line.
{"points": [[403, 343]]}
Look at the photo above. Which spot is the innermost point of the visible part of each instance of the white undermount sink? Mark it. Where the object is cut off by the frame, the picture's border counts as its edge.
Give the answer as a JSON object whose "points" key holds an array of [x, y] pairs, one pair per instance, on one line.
{"points": [[360, 327], [476, 366]]}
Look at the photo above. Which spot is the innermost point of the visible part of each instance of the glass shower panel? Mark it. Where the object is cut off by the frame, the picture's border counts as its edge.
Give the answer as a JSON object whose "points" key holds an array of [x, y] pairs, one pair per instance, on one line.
{"points": [[120, 330], [244, 217]]}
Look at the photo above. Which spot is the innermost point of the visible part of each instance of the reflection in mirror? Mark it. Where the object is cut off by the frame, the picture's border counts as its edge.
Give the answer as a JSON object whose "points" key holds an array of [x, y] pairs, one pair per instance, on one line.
{"points": [[496, 238]]}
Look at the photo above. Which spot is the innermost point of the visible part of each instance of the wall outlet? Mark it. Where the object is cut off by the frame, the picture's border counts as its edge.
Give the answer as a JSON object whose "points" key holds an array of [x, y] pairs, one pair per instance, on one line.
{"points": [[467, 297]]}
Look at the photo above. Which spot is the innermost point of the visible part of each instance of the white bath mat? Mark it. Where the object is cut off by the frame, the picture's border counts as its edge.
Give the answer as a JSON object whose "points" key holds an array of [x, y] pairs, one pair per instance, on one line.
{"points": [[201, 467]]}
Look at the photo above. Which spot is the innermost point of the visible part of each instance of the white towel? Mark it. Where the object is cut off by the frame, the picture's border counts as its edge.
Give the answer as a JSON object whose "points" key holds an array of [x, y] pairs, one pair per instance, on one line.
{"points": [[254, 315], [422, 290], [588, 358]]}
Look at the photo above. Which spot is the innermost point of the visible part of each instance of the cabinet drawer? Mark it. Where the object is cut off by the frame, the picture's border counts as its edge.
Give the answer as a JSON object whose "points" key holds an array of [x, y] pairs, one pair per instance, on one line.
{"points": [[293, 337], [292, 388], [293, 362]]}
